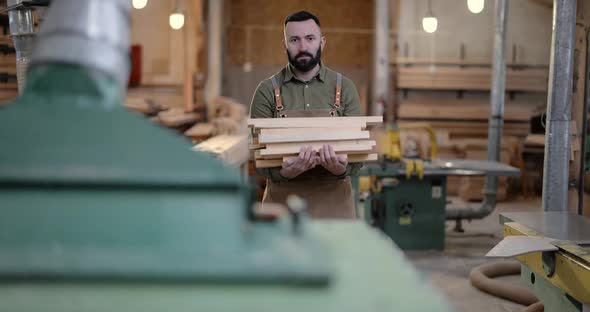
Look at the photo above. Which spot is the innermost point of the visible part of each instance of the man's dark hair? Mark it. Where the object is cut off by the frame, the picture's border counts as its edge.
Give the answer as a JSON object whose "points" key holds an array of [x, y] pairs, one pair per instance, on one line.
{"points": [[302, 16]]}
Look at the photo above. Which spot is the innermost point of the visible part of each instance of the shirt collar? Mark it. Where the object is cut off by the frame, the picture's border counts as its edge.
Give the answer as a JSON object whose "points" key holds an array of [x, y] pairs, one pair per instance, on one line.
{"points": [[321, 75]]}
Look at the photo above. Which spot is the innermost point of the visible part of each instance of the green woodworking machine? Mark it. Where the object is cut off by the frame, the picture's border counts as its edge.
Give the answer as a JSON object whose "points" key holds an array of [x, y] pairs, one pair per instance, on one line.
{"points": [[406, 197], [104, 211]]}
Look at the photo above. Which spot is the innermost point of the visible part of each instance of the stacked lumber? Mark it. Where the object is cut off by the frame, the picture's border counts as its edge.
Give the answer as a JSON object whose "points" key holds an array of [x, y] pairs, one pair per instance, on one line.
{"points": [[462, 109], [231, 149], [275, 139], [466, 118], [469, 78]]}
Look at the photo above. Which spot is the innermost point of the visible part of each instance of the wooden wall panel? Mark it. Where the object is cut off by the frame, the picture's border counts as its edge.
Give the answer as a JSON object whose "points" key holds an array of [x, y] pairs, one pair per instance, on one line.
{"points": [[255, 30], [332, 13]]}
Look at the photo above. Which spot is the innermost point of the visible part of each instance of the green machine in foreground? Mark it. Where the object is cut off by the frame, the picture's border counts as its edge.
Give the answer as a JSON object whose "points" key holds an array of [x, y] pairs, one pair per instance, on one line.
{"points": [[104, 211], [411, 207]]}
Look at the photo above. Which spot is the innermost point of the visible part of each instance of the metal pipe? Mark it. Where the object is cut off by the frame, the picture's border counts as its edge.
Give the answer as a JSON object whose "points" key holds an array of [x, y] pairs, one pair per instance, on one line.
{"points": [[22, 33], [95, 32], [214, 52], [496, 118], [583, 133], [381, 57], [559, 106]]}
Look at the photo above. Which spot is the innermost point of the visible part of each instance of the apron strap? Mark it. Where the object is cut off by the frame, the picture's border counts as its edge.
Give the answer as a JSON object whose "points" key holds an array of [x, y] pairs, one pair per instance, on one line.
{"points": [[277, 93], [338, 89], [338, 94]]}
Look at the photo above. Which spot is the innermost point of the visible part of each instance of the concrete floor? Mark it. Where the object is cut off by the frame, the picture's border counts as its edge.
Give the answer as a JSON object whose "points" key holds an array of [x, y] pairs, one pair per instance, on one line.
{"points": [[449, 270]]}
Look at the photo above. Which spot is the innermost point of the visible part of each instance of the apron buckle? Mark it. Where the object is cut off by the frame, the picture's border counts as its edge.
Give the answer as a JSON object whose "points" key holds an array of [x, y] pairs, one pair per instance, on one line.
{"points": [[280, 112]]}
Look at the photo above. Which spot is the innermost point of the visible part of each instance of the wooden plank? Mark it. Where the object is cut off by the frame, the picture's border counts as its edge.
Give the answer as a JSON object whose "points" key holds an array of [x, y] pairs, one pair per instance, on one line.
{"points": [[232, 149], [270, 163], [474, 128], [142, 105], [177, 118], [200, 130], [456, 78], [461, 109], [293, 148], [307, 122], [535, 140], [319, 143], [458, 62], [312, 136], [286, 131]]}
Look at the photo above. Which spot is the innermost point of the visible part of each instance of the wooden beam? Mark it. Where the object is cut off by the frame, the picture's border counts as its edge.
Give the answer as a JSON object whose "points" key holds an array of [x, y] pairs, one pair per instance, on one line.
{"points": [[189, 36]]}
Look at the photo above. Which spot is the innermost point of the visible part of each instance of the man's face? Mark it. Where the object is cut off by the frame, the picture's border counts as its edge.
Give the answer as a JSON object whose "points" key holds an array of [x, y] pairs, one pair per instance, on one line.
{"points": [[304, 44]]}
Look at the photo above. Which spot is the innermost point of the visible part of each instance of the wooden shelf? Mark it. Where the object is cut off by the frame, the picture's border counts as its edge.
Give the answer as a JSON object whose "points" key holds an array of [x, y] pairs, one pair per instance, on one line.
{"points": [[469, 79]]}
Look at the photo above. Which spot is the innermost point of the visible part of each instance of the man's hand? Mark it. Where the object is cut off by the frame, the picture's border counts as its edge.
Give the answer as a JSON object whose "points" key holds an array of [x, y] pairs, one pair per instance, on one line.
{"points": [[294, 166], [336, 164]]}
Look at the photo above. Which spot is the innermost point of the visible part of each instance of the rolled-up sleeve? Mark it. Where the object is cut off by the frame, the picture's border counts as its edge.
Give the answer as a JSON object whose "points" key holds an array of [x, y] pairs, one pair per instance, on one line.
{"points": [[262, 106]]}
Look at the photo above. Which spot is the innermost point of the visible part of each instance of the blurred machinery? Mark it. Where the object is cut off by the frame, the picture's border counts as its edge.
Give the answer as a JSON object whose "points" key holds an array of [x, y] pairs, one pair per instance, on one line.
{"points": [[552, 245], [104, 211], [22, 31]]}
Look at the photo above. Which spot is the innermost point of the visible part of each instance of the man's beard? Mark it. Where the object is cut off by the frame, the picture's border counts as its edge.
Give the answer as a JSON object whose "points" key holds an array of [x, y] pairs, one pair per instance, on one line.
{"points": [[305, 65]]}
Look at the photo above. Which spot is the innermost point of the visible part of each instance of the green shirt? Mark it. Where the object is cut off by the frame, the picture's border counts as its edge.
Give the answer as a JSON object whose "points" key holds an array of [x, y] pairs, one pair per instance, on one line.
{"points": [[318, 93]]}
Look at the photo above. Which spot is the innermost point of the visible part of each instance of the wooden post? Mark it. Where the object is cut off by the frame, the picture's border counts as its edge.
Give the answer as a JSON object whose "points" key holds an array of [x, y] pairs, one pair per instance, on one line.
{"points": [[190, 32], [214, 52]]}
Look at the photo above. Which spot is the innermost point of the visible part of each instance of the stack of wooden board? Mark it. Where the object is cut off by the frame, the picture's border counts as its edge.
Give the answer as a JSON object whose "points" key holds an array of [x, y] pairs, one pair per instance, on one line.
{"points": [[274, 139]]}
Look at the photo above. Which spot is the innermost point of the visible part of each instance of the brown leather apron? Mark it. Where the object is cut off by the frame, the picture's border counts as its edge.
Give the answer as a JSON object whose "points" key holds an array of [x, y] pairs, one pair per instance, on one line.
{"points": [[326, 195]]}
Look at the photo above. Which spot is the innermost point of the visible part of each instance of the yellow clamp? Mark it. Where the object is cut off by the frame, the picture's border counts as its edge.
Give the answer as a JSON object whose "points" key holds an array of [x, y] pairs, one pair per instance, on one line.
{"points": [[419, 168], [409, 167], [394, 145], [414, 166]]}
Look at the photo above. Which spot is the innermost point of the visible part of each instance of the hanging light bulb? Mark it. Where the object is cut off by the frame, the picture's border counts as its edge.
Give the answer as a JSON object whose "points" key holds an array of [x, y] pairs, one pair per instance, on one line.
{"points": [[177, 17], [176, 20], [139, 4], [429, 22], [475, 6]]}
